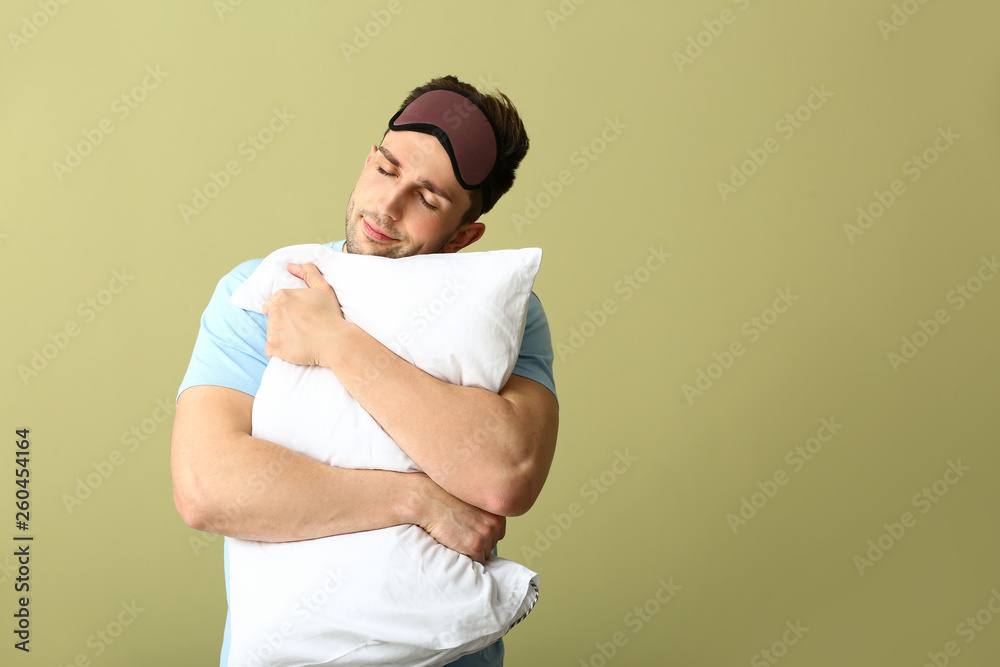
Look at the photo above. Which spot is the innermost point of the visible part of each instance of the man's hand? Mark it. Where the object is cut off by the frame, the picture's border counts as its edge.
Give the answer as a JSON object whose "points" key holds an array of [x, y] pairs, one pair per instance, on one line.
{"points": [[458, 525], [301, 322]]}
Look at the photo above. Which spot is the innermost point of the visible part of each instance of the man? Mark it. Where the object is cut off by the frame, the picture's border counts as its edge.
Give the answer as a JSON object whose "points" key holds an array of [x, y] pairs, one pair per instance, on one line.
{"points": [[448, 155]]}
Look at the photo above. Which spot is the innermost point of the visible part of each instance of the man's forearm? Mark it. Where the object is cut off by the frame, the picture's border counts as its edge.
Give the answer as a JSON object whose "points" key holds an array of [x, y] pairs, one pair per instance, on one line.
{"points": [[237, 485], [271, 494], [479, 446]]}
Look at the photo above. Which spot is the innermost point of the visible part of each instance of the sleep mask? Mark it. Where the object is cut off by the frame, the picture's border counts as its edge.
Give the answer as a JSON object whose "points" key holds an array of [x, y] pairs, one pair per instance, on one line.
{"points": [[461, 127]]}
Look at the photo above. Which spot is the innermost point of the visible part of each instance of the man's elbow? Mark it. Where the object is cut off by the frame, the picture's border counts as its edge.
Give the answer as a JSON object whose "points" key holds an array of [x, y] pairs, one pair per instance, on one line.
{"points": [[517, 491], [196, 497], [508, 504], [520, 483], [529, 450], [191, 505]]}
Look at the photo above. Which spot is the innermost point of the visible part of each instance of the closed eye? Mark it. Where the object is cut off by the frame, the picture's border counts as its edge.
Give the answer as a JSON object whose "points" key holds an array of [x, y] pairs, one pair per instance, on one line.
{"points": [[422, 200]]}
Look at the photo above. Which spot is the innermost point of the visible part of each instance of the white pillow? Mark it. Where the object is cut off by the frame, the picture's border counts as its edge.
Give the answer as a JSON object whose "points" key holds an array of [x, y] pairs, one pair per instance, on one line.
{"points": [[393, 596]]}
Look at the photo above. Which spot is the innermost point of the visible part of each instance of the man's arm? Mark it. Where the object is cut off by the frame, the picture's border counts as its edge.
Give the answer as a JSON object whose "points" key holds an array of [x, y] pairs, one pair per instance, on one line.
{"points": [[228, 482], [490, 450]]}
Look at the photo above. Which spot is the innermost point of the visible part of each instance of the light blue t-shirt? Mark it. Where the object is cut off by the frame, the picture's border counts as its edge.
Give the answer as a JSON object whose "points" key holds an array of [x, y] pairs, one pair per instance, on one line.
{"points": [[229, 352]]}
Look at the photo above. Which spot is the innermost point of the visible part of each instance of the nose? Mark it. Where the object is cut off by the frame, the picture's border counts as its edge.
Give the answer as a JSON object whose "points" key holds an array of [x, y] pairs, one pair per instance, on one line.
{"points": [[390, 202]]}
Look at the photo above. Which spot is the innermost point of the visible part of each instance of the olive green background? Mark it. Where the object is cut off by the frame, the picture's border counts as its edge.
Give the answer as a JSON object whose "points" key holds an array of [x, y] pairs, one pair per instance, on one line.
{"points": [[575, 72]]}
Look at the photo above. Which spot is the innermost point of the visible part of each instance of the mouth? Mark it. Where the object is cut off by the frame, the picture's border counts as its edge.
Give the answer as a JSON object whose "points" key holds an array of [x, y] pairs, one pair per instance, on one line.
{"points": [[373, 232]]}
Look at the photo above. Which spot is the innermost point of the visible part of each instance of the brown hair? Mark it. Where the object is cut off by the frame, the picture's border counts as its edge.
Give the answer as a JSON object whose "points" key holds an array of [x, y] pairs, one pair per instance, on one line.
{"points": [[512, 140]]}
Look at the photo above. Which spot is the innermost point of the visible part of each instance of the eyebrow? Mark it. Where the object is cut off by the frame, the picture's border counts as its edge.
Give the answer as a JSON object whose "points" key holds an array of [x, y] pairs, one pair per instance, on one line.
{"points": [[423, 182]]}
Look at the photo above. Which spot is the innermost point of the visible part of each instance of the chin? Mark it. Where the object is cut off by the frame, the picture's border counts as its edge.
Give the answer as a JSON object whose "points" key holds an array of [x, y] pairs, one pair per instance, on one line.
{"points": [[360, 244]]}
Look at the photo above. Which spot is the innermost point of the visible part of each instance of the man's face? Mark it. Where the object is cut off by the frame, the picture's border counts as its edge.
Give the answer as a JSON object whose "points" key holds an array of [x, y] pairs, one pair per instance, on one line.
{"points": [[408, 201]]}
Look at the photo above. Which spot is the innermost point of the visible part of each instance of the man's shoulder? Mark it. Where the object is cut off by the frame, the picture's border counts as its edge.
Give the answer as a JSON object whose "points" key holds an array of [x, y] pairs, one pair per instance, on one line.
{"points": [[536, 313], [242, 271], [229, 282]]}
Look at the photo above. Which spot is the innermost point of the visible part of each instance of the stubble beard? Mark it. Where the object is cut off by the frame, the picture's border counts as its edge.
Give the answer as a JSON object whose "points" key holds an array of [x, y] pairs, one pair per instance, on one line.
{"points": [[354, 236]]}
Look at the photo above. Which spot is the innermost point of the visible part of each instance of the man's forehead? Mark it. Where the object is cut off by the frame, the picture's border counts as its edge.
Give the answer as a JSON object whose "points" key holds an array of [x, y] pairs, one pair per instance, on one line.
{"points": [[414, 149]]}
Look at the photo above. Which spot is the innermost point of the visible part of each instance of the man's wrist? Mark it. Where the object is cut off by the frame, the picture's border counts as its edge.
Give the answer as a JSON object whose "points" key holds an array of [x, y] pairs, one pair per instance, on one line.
{"points": [[412, 500], [338, 344]]}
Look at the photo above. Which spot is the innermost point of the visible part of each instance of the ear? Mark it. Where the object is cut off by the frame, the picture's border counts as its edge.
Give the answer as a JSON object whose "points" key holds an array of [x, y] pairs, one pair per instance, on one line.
{"points": [[466, 234]]}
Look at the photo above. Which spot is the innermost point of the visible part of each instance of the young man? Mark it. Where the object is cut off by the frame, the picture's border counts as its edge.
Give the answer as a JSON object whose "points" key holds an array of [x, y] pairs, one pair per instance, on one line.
{"points": [[448, 155]]}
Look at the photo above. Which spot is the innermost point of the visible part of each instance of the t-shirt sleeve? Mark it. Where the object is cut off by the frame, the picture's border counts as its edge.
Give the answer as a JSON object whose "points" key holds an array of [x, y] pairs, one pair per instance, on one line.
{"points": [[536, 357], [229, 350]]}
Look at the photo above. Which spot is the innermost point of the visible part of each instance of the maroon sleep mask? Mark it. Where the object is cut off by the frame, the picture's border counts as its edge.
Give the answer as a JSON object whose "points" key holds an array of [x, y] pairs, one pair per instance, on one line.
{"points": [[461, 127]]}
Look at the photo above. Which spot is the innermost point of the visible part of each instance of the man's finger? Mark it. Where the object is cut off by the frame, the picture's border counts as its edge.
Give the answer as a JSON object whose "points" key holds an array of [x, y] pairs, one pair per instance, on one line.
{"points": [[309, 273]]}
